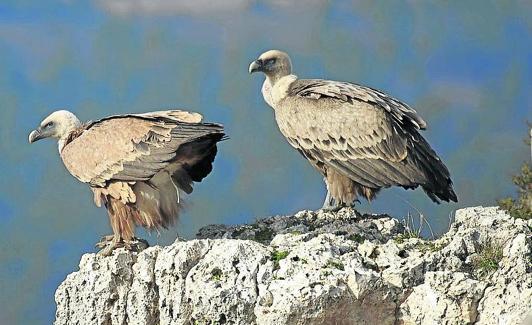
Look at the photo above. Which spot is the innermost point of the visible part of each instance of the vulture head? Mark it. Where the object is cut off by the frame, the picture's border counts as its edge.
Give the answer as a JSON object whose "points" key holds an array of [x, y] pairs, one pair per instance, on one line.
{"points": [[274, 64], [57, 125]]}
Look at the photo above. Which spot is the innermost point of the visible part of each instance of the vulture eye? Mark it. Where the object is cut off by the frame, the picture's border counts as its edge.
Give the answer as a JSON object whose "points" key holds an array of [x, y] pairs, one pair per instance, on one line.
{"points": [[270, 61], [49, 125]]}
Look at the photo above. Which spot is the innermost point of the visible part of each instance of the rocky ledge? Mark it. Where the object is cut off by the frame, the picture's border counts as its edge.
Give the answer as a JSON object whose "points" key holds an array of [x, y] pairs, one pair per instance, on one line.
{"points": [[314, 268]]}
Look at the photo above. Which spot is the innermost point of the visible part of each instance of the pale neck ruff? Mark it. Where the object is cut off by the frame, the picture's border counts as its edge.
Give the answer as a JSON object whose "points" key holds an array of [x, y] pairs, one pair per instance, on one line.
{"points": [[279, 90]]}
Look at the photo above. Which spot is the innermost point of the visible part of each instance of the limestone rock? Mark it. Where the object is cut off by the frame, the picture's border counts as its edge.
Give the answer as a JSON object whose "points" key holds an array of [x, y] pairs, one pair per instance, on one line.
{"points": [[313, 268]]}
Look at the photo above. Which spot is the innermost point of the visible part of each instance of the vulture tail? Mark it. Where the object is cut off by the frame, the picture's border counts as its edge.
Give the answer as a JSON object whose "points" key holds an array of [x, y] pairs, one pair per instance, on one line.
{"points": [[205, 149], [158, 200], [438, 184]]}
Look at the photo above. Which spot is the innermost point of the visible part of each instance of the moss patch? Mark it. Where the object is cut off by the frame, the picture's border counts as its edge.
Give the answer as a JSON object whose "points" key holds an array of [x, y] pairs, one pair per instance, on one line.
{"points": [[335, 264], [429, 246], [277, 256], [487, 260], [216, 274], [401, 238]]}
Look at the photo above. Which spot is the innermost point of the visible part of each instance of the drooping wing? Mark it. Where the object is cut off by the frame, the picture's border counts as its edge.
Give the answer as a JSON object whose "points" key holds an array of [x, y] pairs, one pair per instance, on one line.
{"points": [[133, 147], [349, 92], [364, 134]]}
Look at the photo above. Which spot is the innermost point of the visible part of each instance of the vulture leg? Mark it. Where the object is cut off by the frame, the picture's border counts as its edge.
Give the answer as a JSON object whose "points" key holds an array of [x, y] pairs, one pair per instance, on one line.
{"points": [[329, 202], [121, 217], [341, 191]]}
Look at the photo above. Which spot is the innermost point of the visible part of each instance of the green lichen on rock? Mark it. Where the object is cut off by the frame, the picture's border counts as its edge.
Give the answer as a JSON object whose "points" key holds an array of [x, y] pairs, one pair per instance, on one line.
{"points": [[216, 274], [335, 264], [277, 256]]}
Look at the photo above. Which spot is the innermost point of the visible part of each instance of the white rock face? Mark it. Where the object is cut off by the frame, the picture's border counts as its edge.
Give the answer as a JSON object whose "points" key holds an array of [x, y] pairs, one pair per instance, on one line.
{"points": [[314, 268]]}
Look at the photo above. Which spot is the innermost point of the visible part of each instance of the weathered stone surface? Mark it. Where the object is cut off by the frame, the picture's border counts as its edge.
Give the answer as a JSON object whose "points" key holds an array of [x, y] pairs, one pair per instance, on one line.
{"points": [[313, 268], [444, 298]]}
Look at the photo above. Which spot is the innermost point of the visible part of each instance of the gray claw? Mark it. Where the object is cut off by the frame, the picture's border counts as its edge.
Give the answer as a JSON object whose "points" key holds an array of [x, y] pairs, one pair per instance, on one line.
{"points": [[104, 241], [109, 243]]}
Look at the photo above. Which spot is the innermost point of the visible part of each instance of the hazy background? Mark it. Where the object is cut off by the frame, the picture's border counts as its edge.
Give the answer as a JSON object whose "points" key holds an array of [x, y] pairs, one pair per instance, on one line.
{"points": [[466, 67]]}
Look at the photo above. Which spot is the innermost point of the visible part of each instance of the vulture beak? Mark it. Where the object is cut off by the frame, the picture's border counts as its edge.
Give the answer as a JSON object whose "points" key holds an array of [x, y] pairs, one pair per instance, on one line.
{"points": [[36, 135], [256, 65]]}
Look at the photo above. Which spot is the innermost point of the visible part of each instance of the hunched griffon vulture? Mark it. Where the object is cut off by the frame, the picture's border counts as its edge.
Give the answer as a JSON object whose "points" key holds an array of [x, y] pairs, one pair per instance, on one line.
{"points": [[360, 139], [135, 164]]}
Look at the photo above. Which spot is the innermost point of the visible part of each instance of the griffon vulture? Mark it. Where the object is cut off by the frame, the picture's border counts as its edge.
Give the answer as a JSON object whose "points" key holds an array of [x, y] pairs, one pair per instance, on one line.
{"points": [[360, 139], [135, 164]]}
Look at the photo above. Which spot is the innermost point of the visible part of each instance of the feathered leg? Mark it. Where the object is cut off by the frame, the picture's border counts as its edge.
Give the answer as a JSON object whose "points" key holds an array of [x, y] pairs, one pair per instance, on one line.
{"points": [[340, 192], [121, 219], [329, 202]]}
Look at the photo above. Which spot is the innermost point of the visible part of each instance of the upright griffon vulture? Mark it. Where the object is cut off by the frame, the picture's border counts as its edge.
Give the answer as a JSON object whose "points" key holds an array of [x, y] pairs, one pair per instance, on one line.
{"points": [[360, 139], [135, 164]]}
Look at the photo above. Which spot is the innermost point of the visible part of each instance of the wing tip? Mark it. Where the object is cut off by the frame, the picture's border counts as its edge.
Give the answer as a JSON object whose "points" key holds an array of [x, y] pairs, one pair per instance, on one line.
{"points": [[446, 195]]}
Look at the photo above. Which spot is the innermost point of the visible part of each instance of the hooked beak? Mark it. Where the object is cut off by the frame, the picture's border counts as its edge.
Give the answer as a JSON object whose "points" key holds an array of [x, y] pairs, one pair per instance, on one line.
{"points": [[255, 66], [36, 135]]}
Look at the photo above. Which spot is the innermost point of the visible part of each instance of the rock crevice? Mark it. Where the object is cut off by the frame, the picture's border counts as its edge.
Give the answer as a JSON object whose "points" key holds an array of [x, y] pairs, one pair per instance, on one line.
{"points": [[314, 268]]}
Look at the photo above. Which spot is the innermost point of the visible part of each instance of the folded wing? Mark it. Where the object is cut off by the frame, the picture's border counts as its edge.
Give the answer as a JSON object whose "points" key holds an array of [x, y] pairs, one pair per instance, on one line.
{"points": [[362, 133]]}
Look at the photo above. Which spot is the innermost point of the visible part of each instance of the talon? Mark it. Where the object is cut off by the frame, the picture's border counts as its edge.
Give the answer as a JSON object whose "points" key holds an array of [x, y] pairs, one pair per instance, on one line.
{"points": [[104, 241], [109, 243], [332, 208], [107, 238], [136, 244], [110, 247], [142, 243], [338, 207]]}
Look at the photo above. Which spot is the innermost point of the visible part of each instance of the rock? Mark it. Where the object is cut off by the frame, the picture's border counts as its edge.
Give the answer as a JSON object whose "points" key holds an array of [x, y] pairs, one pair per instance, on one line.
{"points": [[313, 268], [444, 298]]}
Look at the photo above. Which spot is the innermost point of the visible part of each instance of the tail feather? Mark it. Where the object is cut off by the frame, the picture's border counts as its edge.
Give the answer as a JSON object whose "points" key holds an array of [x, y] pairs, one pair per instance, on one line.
{"points": [[157, 202], [438, 185], [196, 157]]}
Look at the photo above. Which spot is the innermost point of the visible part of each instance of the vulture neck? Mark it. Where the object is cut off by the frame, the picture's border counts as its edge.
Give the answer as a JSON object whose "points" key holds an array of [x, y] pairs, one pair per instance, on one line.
{"points": [[274, 90], [61, 144], [274, 77], [69, 135]]}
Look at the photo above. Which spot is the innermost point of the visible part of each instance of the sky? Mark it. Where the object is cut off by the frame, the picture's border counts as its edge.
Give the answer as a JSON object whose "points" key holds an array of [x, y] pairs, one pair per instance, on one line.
{"points": [[465, 66]]}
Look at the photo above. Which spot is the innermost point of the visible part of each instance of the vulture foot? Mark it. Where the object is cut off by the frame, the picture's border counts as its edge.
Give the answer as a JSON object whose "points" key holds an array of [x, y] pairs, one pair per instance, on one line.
{"points": [[332, 205], [136, 245], [333, 208], [104, 241], [108, 244]]}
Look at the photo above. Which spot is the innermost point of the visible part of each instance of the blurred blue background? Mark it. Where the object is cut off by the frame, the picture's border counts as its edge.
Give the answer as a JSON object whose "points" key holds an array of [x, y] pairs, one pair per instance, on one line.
{"points": [[465, 66]]}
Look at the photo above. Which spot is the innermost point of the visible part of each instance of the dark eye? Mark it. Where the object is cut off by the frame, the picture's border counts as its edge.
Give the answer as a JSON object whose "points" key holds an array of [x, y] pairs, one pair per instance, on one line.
{"points": [[49, 125]]}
